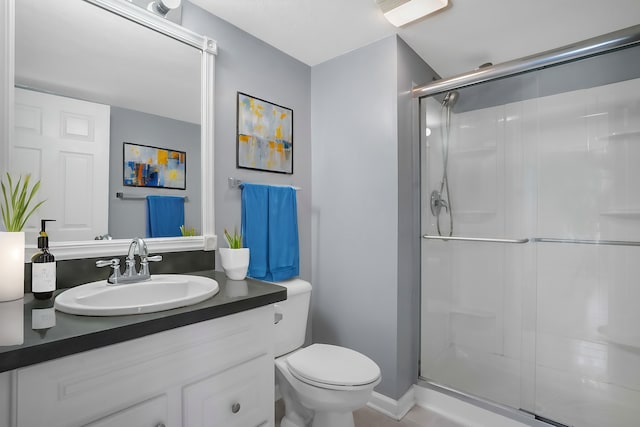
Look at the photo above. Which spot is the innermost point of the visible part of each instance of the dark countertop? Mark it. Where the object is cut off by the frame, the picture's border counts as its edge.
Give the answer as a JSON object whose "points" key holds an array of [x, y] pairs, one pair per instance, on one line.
{"points": [[49, 334]]}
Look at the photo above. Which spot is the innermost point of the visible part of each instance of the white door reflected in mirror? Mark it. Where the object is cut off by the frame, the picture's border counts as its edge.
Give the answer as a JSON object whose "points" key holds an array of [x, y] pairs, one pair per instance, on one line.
{"points": [[64, 143]]}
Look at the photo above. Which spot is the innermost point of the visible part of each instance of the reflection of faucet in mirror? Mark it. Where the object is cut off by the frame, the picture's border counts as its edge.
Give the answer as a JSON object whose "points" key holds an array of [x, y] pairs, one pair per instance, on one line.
{"points": [[130, 275]]}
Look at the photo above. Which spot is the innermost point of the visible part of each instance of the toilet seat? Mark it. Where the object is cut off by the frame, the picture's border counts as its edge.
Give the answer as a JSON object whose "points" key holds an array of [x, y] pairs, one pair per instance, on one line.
{"points": [[333, 367]]}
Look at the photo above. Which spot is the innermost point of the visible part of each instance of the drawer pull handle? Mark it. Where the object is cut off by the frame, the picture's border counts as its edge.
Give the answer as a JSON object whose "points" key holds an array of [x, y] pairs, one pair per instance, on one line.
{"points": [[235, 408], [160, 425], [277, 317]]}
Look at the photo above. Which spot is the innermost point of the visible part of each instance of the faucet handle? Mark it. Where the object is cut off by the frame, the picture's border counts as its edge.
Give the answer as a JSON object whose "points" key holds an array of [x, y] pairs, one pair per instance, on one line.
{"points": [[144, 263], [115, 262], [115, 265]]}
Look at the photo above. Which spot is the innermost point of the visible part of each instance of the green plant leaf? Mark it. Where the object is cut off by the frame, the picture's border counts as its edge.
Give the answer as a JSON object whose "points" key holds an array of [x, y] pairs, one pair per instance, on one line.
{"points": [[235, 241], [187, 231], [16, 209], [5, 216]]}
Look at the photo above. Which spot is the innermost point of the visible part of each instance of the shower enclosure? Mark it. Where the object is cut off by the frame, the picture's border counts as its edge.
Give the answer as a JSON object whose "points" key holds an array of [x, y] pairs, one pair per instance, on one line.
{"points": [[531, 239]]}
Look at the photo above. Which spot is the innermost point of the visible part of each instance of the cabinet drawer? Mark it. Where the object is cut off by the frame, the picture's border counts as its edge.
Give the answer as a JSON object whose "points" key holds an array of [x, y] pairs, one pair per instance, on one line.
{"points": [[239, 397], [150, 413]]}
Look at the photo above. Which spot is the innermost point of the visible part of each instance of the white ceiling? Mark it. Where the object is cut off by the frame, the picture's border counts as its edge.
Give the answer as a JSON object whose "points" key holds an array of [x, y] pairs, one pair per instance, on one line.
{"points": [[453, 41]]}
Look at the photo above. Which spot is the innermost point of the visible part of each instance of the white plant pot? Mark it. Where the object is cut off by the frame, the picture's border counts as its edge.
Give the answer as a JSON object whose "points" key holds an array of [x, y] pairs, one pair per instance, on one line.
{"points": [[235, 262], [11, 265]]}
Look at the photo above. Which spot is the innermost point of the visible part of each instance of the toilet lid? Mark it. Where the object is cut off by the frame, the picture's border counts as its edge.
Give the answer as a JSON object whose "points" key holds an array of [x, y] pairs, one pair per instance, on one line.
{"points": [[333, 365]]}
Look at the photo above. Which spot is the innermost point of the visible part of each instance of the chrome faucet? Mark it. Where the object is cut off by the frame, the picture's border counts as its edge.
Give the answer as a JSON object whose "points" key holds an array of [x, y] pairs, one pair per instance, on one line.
{"points": [[130, 275]]}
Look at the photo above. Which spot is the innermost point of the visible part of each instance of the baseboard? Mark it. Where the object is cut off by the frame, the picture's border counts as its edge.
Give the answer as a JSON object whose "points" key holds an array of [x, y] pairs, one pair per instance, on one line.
{"points": [[395, 409]]}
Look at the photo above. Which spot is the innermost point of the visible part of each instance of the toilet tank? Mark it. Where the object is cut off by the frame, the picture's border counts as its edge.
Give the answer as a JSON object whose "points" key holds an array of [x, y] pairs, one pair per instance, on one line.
{"points": [[292, 327]]}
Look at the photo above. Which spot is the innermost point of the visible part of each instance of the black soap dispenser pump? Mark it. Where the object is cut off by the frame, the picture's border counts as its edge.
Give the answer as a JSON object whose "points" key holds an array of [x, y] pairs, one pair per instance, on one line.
{"points": [[43, 267]]}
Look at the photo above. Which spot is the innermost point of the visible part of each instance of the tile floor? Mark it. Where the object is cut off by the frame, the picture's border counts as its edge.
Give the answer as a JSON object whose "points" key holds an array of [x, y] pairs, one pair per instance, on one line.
{"points": [[367, 417]]}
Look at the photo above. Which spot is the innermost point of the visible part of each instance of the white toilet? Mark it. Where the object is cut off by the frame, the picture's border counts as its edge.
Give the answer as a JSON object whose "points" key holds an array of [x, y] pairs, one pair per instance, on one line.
{"points": [[321, 384]]}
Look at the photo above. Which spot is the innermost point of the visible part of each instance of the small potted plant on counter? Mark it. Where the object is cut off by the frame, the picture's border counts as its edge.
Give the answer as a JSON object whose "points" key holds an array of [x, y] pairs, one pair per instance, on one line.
{"points": [[16, 207], [235, 258]]}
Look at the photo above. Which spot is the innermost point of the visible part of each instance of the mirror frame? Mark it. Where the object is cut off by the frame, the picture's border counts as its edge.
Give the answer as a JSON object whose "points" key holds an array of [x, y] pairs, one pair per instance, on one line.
{"points": [[97, 248]]}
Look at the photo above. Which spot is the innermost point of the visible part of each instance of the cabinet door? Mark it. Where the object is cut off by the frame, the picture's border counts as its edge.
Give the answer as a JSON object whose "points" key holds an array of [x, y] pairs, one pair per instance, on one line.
{"points": [[75, 389], [238, 397], [150, 413]]}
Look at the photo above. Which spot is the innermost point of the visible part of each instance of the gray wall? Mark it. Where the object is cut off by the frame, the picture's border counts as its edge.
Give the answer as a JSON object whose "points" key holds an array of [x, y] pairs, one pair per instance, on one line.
{"points": [[355, 199], [127, 218], [366, 199], [249, 65]]}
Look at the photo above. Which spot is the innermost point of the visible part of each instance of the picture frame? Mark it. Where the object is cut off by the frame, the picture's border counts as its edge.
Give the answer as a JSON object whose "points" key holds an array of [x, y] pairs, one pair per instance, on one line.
{"points": [[155, 167], [264, 135]]}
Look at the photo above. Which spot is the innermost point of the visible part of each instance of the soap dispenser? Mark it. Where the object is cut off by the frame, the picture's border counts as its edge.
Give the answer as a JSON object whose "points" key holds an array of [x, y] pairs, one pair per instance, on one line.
{"points": [[43, 267]]}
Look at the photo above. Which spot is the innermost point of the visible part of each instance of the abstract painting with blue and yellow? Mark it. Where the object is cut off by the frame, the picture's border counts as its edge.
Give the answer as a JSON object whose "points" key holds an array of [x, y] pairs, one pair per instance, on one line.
{"points": [[265, 135], [147, 166]]}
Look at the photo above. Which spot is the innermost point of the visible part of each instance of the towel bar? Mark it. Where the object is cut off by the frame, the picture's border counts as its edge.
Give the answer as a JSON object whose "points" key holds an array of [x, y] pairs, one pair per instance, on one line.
{"points": [[125, 196], [237, 183]]}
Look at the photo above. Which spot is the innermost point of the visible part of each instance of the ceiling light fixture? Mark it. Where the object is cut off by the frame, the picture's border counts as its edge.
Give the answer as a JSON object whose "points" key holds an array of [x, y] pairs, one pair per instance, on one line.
{"points": [[401, 12]]}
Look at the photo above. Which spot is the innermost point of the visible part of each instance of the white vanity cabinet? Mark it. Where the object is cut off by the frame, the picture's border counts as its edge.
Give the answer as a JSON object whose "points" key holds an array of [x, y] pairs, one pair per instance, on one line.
{"points": [[213, 373]]}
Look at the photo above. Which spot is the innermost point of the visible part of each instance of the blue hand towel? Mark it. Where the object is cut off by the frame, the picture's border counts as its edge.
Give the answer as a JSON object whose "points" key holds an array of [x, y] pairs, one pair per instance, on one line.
{"points": [[284, 253], [270, 231], [165, 215], [254, 228]]}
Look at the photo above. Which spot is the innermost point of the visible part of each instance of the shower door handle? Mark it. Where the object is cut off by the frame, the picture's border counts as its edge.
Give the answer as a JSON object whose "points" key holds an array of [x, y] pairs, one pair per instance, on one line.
{"points": [[475, 239]]}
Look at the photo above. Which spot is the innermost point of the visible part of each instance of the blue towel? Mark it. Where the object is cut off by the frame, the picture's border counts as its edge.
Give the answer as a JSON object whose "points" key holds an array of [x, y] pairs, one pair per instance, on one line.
{"points": [[165, 215], [270, 231], [255, 227]]}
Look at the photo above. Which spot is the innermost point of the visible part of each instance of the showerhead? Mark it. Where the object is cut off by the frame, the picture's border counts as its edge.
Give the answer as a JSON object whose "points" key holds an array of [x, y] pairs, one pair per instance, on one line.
{"points": [[450, 99]]}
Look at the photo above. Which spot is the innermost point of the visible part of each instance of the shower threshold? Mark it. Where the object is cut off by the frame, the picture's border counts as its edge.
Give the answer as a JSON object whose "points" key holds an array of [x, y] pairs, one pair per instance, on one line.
{"points": [[461, 406]]}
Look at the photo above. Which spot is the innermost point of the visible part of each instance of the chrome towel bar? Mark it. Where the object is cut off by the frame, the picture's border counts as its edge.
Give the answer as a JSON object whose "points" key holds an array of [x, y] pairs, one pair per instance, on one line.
{"points": [[126, 196], [235, 183]]}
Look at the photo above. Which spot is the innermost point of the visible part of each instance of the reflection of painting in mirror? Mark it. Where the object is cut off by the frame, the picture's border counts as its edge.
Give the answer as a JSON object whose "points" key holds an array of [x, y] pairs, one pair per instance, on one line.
{"points": [[265, 135], [147, 166], [151, 83]]}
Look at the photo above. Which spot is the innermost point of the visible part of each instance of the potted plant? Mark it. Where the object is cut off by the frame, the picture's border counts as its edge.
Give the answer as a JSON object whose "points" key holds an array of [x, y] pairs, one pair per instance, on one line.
{"points": [[16, 210], [187, 232], [235, 258]]}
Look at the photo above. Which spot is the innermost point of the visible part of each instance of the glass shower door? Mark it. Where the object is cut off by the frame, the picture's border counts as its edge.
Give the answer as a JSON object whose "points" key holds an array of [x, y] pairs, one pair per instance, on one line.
{"points": [[588, 258], [473, 319]]}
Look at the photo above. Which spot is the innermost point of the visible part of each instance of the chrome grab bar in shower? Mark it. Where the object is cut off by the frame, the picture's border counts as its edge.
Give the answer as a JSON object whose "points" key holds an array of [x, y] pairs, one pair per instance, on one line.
{"points": [[587, 242], [475, 239], [535, 239]]}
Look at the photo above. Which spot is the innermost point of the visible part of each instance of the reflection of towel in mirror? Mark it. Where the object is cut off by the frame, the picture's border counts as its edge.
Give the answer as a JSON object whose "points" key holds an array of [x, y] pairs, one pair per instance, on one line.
{"points": [[165, 215], [270, 231]]}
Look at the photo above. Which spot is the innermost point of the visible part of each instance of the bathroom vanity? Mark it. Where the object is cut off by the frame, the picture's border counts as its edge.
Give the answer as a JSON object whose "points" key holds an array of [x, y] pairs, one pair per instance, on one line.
{"points": [[207, 364]]}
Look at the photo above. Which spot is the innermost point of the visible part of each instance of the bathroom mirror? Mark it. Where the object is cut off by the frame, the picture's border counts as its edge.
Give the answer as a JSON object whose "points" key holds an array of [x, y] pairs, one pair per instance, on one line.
{"points": [[155, 79]]}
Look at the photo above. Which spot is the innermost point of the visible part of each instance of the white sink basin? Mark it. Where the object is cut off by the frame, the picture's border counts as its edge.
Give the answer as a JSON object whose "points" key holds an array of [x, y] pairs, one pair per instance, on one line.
{"points": [[161, 292]]}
